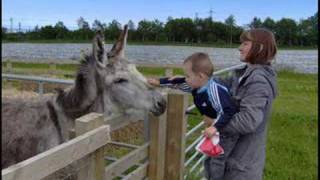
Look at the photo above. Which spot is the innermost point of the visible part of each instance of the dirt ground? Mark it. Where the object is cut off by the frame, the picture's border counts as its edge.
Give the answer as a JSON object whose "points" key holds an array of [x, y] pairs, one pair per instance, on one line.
{"points": [[14, 93]]}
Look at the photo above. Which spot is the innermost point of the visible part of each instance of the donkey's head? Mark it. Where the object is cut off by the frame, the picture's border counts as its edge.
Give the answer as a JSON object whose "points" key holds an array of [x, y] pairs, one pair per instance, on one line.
{"points": [[118, 85]]}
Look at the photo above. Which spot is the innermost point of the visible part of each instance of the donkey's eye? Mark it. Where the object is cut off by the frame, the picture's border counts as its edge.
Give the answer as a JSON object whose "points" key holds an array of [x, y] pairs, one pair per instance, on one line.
{"points": [[121, 80]]}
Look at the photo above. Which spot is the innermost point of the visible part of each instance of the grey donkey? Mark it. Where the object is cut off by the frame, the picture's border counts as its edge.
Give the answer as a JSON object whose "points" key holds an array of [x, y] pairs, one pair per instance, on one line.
{"points": [[105, 83]]}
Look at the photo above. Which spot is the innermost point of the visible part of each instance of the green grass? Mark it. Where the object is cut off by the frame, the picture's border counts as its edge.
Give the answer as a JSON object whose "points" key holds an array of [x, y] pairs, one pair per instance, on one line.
{"points": [[151, 71], [67, 67], [24, 65], [43, 66], [292, 130]]}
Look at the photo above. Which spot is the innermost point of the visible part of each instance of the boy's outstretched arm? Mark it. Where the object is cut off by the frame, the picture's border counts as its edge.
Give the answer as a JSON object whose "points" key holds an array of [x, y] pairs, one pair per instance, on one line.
{"points": [[176, 82], [153, 81]]}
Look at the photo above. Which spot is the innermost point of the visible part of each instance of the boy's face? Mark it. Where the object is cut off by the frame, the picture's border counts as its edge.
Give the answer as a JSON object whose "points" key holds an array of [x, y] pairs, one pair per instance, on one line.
{"points": [[195, 80]]}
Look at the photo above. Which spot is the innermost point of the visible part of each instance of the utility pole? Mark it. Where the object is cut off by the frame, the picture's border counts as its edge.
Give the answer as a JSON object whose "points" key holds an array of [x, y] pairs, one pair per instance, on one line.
{"points": [[11, 25], [19, 26], [210, 13], [231, 36], [196, 21], [196, 16]]}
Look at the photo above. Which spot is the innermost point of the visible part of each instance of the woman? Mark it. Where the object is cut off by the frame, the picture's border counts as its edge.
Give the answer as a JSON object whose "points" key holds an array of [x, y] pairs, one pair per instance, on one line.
{"points": [[254, 89]]}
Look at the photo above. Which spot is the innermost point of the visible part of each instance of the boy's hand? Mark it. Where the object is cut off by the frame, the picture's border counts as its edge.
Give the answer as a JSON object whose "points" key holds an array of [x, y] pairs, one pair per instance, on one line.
{"points": [[153, 81], [210, 131]]}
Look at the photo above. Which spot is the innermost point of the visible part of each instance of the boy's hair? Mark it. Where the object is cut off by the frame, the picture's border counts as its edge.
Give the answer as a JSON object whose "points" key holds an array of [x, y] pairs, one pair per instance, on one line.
{"points": [[200, 62], [264, 46]]}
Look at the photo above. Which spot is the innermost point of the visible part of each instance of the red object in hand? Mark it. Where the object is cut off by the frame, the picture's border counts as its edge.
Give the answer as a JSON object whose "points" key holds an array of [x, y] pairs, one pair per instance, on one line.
{"points": [[207, 147]]}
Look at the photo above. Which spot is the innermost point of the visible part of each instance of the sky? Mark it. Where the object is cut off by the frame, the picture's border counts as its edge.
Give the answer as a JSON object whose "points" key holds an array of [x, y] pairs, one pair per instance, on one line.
{"points": [[48, 12]]}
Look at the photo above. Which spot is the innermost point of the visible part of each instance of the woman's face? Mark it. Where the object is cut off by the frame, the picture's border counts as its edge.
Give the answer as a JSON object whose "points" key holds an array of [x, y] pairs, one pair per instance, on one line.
{"points": [[244, 49]]}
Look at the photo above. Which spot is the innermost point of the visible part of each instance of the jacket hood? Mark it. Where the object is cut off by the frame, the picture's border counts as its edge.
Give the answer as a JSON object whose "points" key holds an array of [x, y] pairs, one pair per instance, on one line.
{"points": [[265, 70]]}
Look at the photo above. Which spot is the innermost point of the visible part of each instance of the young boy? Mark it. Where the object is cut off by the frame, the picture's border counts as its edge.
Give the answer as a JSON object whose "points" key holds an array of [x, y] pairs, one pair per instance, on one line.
{"points": [[211, 98]]}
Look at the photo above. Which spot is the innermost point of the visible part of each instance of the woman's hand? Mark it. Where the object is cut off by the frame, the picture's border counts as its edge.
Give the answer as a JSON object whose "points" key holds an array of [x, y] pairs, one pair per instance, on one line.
{"points": [[207, 121], [153, 81], [210, 131]]}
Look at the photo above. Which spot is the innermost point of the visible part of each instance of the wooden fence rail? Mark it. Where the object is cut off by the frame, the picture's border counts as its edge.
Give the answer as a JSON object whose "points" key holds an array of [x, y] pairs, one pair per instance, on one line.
{"points": [[48, 162], [160, 158]]}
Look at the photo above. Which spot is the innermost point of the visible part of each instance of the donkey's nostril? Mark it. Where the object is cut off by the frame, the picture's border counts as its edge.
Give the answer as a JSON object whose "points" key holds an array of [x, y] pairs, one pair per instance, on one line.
{"points": [[159, 103], [162, 105], [159, 108]]}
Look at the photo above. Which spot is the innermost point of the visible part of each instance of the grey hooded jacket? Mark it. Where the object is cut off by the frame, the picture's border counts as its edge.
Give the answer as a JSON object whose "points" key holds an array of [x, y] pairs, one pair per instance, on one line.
{"points": [[254, 94]]}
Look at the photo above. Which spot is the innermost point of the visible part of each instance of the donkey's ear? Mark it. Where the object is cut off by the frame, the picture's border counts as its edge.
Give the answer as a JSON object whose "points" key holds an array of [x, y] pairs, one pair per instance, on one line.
{"points": [[117, 49], [98, 47]]}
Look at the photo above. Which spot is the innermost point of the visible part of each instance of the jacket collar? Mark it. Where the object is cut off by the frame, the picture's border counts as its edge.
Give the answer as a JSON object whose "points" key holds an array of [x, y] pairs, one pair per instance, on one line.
{"points": [[250, 68]]}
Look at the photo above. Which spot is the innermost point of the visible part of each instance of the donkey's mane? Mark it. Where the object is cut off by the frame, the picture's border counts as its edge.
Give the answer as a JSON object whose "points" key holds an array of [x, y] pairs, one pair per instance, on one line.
{"points": [[72, 99]]}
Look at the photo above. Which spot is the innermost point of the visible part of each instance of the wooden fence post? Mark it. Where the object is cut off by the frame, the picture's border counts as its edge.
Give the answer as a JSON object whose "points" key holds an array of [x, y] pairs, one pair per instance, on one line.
{"points": [[52, 68], [9, 66], [96, 160], [9, 70], [169, 72], [176, 130], [40, 88], [157, 129]]}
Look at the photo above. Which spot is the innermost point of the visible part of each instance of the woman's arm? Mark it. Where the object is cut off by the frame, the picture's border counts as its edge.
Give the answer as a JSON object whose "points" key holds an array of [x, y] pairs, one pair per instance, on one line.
{"points": [[225, 80], [252, 107]]}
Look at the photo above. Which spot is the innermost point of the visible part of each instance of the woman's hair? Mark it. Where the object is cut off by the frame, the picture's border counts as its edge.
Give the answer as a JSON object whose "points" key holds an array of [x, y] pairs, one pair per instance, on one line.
{"points": [[200, 62], [264, 47]]}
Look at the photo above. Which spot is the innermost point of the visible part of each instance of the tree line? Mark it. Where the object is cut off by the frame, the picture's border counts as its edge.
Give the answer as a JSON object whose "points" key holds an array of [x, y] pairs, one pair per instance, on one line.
{"points": [[288, 32]]}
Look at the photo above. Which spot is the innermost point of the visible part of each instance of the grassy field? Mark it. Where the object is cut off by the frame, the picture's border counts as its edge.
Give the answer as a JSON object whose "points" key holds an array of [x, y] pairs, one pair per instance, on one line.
{"points": [[292, 130], [292, 151]]}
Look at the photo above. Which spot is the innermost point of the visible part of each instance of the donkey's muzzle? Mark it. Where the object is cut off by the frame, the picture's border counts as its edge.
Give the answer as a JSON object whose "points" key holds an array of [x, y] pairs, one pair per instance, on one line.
{"points": [[160, 104], [160, 107]]}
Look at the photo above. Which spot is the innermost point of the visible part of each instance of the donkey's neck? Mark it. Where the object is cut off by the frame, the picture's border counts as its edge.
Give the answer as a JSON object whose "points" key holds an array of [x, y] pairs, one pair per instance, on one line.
{"points": [[80, 98]]}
